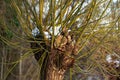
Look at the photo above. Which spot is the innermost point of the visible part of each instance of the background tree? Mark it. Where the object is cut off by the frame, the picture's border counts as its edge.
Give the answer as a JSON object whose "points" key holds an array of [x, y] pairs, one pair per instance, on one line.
{"points": [[2, 49]]}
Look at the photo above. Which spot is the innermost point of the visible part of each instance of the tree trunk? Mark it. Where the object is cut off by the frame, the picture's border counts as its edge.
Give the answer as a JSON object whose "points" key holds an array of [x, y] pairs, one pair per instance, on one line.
{"points": [[58, 63], [59, 59], [2, 46], [54, 73]]}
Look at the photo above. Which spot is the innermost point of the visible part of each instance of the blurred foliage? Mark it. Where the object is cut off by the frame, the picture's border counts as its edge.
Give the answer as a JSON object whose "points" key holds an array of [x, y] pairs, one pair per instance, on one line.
{"points": [[93, 24]]}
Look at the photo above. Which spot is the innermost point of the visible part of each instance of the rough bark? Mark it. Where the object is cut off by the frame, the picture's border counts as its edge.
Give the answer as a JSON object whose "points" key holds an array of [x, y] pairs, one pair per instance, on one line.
{"points": [[54, 73], [58, 63], [59, 58]]}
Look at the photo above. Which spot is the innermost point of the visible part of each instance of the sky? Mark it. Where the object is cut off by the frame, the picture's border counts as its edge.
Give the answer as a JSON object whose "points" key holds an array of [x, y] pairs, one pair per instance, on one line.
{"points": [[114, 0]]}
